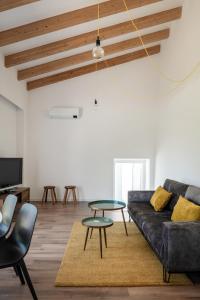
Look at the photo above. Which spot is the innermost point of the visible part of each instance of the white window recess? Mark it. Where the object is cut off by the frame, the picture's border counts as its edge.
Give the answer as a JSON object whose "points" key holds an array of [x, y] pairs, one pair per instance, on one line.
{"points": [[130, 174], [63, 112]]}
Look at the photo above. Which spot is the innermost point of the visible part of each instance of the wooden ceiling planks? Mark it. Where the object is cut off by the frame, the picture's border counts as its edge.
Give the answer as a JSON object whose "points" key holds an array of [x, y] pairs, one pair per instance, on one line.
{"points": [[80, 16], [10, 4], [68, 19], [92, 67], [90, 37], [87, 56]]}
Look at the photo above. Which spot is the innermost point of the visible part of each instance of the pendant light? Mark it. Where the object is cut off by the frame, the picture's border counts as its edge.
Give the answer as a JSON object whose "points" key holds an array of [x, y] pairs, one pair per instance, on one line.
{"points": [[98, 51]]}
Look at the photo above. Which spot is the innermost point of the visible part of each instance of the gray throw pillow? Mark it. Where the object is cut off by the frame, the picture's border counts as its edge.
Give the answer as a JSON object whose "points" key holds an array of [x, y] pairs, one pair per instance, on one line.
{"points": [[193, 194]]}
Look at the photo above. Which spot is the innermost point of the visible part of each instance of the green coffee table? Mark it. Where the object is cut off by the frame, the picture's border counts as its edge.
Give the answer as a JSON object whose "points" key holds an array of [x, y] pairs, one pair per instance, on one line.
{"points": [[100, 223], [108, 205]]}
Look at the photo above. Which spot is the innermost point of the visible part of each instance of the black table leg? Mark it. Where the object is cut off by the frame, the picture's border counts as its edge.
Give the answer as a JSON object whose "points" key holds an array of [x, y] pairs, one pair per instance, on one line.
{"points": [[103, 213], [124, 222], [100, 241], [95, 212], [86, 237], [105, 237]]}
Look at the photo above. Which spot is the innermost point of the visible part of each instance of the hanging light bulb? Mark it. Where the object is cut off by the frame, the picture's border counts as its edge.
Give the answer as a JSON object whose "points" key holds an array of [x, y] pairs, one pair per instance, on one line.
{"points": [[98, 51]]}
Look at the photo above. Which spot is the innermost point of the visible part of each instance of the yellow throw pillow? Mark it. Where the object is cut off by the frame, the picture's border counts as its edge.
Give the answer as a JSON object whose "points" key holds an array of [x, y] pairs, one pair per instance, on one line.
{"points": [[160, 199], [185, 210]]}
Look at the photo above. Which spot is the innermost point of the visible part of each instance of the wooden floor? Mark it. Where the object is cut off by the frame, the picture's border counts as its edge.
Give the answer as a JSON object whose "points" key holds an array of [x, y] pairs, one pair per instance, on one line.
{"points": [[51, 234]]}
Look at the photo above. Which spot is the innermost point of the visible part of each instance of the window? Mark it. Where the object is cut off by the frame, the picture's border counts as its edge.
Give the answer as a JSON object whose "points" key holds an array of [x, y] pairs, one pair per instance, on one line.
{"points": [[130, 174]]}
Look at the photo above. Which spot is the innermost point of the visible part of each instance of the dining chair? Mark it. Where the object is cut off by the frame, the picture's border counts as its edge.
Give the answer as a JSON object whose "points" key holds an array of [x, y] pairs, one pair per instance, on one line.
{"points": [[16, 246], [7, 213]]}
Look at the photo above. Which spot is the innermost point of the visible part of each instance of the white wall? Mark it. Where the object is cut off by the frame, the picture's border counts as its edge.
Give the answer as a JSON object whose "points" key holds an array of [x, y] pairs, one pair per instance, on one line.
{"points": [[129, 123], [8, 129], [178, 144], [10, 87], [13, 117], [11, 129], [81, 152]]}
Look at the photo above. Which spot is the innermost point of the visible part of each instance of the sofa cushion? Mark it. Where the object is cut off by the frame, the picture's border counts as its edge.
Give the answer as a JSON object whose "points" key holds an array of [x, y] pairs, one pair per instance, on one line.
{"points": [[139, 196], [149, 222], [144, 209], [193, 194], [177, 189], [185, 210], [160, 199], [152, 229], [138, 209]]}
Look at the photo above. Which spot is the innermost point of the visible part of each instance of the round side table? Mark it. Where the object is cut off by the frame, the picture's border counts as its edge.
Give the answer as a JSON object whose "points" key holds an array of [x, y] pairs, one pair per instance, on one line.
{"points": [[108, 205], [100, 223]]}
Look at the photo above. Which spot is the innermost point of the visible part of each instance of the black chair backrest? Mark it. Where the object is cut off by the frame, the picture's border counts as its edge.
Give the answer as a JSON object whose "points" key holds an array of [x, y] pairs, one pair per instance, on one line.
{"points": [[8, 210], [24, 227]]}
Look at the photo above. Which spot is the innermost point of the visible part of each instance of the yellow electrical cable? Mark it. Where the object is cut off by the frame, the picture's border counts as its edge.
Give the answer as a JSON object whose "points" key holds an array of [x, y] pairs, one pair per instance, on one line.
{"points": [[190, 74], [98, 34], [98, 19]]}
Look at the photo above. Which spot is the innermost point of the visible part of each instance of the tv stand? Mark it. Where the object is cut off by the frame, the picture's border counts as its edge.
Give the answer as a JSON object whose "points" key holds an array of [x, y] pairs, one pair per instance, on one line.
{"points": [[11, 191], [8, 191], [22, 194]]}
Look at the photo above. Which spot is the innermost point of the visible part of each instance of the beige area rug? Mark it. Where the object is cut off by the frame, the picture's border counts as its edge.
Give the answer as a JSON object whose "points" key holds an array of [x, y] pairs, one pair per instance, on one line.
{"points": [[128, 261]]}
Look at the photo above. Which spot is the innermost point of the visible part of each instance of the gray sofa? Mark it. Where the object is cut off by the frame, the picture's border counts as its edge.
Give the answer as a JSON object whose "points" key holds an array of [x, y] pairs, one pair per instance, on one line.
{"points": [[177, 244]]}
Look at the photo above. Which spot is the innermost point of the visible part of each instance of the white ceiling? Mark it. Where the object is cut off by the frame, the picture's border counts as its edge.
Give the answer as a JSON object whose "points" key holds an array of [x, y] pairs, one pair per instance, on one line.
{"points": [[47, 8]]}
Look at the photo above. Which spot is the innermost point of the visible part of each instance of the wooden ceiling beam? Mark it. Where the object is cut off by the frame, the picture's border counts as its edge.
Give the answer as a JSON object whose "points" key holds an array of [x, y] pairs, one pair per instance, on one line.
{"points": [[92, 68], [9, 4], [68, 19], [90, 37], [87, 56]]}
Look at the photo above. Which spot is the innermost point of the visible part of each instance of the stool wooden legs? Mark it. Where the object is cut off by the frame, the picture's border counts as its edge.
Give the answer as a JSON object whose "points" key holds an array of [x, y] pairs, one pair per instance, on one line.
{"points": [[74, 196], [53, 194], [51, 188], [44, 197], [66, 195], [65, 200]]}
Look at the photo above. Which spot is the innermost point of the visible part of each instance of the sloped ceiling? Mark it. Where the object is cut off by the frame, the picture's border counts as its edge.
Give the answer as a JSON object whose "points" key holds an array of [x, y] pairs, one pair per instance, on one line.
{"points": [[61, 70]]}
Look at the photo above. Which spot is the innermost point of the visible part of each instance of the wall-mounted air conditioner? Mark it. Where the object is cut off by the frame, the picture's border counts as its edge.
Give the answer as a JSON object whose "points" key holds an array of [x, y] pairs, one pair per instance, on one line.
{"points": [[64, 112]]}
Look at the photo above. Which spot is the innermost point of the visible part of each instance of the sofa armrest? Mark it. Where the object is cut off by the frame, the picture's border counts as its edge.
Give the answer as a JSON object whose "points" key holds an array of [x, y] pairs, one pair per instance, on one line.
{"points": [[139, 196], [181, 241]]}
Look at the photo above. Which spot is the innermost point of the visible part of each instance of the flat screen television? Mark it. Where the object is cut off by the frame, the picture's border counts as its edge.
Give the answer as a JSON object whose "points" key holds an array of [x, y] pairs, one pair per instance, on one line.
{"points": [[10, 172]]}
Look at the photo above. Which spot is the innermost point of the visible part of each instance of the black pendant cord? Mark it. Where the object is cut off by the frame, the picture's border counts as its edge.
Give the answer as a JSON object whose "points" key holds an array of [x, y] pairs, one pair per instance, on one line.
{"points": [[98, 42]]}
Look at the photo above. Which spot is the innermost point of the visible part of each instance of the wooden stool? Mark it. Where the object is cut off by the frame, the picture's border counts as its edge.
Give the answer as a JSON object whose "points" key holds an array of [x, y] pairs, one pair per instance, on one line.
{"points": [[53, 193], [69, 188]]}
